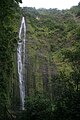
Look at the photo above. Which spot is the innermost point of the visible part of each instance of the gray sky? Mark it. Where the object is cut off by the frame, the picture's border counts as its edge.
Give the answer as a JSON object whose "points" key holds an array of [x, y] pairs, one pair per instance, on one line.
{"points": [[60, 4]]}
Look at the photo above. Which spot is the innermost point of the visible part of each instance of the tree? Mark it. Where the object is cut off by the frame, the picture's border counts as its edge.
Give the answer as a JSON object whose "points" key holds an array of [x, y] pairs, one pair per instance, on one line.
{"points": [[8, 43]]}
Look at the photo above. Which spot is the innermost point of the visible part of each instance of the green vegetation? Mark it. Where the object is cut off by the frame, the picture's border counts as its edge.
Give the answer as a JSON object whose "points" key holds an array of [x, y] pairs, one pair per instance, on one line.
{"points": [[9, 22], [53, 48], [37, 108], [53, 55], [53, 68]]}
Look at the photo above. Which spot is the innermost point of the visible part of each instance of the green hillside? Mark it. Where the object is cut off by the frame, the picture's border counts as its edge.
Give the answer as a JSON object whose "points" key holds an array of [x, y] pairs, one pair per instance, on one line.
{"points": [[53, 46], [53, 63]]}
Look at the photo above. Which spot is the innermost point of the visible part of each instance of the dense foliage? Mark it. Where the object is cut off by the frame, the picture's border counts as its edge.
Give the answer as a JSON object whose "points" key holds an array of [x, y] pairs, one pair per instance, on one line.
{"points": [[53, 55], [53, 50], [53, 67], [37, 108], [9, 18]]}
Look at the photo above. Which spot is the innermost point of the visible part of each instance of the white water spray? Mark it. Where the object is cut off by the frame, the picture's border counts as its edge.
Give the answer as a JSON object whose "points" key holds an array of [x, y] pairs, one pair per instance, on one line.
{"points": [[21, 61]]}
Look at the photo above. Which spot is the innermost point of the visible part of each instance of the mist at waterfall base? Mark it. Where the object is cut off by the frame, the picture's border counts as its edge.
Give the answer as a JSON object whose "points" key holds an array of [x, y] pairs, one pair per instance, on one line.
{"points": [[21, 61]]}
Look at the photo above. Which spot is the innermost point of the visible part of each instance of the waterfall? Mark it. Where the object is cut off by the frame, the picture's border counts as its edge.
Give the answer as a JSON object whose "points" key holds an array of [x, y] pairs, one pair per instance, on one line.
{"points": [[21, 61]]}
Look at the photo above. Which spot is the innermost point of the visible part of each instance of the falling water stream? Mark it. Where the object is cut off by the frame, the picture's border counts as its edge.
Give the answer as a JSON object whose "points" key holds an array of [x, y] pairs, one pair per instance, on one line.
{"points": [[21, 61]]}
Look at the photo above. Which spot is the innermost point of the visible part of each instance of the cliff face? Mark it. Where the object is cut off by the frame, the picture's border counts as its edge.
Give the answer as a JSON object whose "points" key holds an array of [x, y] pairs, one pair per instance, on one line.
{"points": [[52, 48], [50, 34], [52, 40]]}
